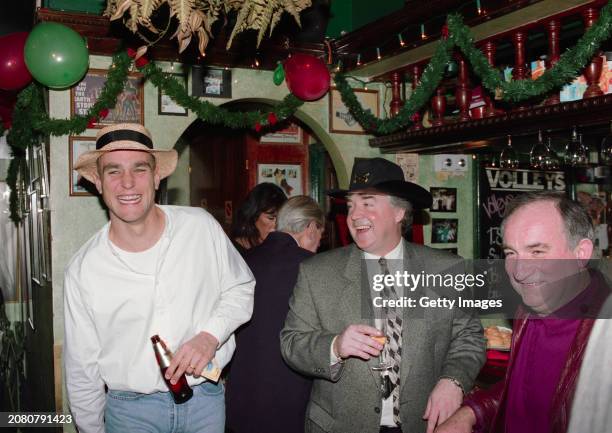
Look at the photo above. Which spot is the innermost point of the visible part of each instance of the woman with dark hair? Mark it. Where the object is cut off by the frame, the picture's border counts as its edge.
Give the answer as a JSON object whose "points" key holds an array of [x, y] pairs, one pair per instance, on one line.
{"points": [[256, 217]]}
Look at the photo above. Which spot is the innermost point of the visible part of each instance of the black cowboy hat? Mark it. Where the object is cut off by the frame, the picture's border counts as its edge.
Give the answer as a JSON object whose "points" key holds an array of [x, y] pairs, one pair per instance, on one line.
{"points": [[387, 177]]}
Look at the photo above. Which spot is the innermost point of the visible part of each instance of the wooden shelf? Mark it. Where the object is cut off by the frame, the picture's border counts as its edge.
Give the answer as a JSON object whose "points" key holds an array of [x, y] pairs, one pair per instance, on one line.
{"points": [[484, 133]]}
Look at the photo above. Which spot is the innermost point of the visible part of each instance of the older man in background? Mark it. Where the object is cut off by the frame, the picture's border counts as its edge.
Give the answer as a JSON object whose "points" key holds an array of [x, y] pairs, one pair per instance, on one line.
{"points": [[263, 394]]}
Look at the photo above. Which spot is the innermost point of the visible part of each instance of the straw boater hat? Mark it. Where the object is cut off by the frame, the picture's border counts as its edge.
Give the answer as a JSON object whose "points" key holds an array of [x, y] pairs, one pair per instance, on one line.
{"points": [[384, 176], [125, 136]]}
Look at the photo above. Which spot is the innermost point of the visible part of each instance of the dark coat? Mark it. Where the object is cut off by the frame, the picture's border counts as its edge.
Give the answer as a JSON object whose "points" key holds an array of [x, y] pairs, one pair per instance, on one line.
{"points": [[263, 393]]}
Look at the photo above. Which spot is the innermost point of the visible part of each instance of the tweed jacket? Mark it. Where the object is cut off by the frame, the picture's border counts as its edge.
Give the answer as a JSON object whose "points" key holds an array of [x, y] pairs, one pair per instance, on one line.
{"points": [[436, 342]]}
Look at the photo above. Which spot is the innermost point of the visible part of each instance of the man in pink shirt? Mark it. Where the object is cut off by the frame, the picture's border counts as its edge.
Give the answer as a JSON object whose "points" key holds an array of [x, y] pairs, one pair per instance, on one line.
{"points": [[548, 240]]}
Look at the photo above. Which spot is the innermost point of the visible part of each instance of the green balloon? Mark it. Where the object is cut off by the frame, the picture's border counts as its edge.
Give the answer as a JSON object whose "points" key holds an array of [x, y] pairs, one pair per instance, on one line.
{"points": [[56, 55], [279, 75]]}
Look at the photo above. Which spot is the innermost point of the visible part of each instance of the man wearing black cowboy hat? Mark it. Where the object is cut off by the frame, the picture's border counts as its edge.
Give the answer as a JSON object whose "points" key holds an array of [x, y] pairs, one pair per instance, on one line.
{"points": [[334, 329], [153, 269]]}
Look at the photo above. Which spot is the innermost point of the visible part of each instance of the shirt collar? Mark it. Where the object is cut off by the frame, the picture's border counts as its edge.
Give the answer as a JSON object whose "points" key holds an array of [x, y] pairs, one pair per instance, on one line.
{"points": [[395, 254]]}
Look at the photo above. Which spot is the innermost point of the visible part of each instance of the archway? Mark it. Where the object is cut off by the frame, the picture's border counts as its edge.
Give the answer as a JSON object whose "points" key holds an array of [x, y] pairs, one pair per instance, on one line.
{"points": [[224, 164]]}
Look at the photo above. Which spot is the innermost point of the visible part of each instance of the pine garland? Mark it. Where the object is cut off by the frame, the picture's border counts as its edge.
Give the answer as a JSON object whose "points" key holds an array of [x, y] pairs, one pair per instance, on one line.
{"points": [[213, 114], [563, 72], [31, 123]]}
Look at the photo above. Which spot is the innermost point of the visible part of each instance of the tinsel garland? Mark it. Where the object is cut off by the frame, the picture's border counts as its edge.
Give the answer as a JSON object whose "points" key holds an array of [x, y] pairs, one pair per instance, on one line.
{"points": [[213, 114], [563, 72], [432, 75], [31, 122]]}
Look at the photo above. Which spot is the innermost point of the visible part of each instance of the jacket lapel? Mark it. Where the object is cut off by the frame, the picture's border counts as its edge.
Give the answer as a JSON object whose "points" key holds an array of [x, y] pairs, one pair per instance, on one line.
{"points": [[355, 298], [414, 326]]}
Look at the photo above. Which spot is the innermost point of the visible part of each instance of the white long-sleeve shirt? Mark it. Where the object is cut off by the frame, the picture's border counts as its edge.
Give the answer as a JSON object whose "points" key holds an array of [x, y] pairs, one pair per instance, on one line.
{"points": [[200, 283]]}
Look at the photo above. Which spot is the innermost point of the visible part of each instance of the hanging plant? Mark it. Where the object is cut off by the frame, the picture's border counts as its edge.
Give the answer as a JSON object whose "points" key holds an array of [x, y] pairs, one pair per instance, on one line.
{"points": [[196, 17]]}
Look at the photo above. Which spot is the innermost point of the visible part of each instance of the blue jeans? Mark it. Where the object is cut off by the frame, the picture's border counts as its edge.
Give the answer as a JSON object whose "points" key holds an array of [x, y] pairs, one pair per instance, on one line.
{"points": [[156, 413]]}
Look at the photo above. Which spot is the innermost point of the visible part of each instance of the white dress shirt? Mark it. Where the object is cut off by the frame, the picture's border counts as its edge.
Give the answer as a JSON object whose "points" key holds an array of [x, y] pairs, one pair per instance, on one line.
{"points": [[394, 263], [113, 306]]}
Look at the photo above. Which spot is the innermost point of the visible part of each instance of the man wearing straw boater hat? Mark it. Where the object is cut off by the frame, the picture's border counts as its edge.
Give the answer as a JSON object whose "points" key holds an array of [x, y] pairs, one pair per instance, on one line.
{"points": [[391, 369], [153, 269]]}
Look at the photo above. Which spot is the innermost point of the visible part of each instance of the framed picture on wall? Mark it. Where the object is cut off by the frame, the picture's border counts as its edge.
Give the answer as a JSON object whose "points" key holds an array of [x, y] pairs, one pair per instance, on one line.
{"points": [[444, 199], [211, 82], [166, 105], [292, 134], [287, 176], [79, 145], [341, 120], [130, 102], [444, 231]]}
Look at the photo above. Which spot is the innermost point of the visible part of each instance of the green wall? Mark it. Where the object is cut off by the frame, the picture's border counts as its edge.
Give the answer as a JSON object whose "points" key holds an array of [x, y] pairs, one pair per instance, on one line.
{"points": [[465, 203], [349, 15]]}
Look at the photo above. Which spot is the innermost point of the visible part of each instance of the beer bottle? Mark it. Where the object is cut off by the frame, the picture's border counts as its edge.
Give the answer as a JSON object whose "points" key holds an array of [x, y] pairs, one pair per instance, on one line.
{"points": [[181, 392]]}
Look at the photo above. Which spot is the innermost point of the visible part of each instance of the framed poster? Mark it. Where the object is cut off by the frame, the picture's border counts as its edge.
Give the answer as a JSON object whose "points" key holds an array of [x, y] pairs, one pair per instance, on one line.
{"points": [[130, 102], [79, 145], [444, 231], [292, 134], [166, 105], [287, 176], [444, 199], [341, 120], [211, 82]]}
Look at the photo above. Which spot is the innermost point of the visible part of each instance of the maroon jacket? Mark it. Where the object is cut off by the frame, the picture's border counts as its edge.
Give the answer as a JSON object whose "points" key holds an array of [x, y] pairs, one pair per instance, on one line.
{"points": [[490, 404]]}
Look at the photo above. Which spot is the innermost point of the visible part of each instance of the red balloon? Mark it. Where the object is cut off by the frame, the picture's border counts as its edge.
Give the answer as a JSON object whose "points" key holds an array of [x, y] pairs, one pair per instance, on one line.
{"points": [[14, 73], [307, 76]]}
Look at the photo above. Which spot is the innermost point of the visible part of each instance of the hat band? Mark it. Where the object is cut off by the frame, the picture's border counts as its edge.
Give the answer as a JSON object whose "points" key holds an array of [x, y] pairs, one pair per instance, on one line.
{"points": [[123, 135]]}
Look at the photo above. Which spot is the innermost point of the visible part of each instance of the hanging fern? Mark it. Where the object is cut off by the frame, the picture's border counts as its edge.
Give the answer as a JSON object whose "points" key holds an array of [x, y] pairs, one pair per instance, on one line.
{"points": [[196, 17]]}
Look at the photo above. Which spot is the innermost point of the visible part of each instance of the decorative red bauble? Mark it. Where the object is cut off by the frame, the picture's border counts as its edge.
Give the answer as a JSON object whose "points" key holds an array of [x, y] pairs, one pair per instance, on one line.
{"points": [[141, 62], [272, 119], [14, 73], [307, 76], [445, 33]]}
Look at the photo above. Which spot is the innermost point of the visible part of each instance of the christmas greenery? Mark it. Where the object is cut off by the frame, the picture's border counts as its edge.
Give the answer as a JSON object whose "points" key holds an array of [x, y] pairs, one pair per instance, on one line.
{"points": [[31, 123], [563, 72], [213, 114]]}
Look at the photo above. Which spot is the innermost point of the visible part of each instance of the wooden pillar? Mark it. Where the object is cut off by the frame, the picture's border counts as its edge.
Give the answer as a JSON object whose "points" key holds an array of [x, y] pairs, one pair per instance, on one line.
{"points": [[520, 69], [554, 52], [489, 49], [416, 77], [396, 97], [463, 93], [438, 105], [592, 73]]}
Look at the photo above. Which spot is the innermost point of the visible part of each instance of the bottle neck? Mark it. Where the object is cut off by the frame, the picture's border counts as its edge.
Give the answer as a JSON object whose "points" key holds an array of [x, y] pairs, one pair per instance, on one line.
{"points": [[162, 354]]}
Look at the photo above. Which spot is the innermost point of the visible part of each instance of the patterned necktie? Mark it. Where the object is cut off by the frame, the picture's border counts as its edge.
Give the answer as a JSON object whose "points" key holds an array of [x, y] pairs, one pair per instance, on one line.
{"points": [[393, 348]]}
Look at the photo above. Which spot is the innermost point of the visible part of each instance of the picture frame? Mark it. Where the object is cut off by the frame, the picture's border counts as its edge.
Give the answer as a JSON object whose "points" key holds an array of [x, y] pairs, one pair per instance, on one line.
{"points": [[77, 146], [291, 134], [444, 199], [130, 102], [444, 230], [166, 105], [287, 176], [340, 119], [211, 82]]}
